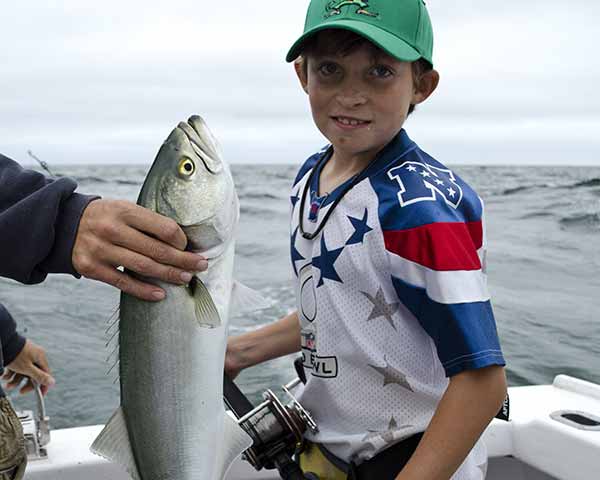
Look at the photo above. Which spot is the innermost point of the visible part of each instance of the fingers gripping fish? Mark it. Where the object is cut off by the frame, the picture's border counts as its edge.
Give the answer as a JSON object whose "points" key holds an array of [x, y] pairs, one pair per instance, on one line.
{"points": [[171, 423]]}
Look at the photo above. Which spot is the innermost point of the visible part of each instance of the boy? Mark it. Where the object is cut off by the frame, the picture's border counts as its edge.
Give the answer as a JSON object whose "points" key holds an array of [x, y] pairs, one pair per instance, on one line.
{"points": [[394, 320]]}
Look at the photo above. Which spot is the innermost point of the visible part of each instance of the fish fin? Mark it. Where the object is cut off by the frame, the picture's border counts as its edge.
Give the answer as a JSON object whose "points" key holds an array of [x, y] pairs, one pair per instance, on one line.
{"points": [[205, 309], [113, 334], [114, 316], [235, 442], [115, 360], [113, 444], [244, 299]]}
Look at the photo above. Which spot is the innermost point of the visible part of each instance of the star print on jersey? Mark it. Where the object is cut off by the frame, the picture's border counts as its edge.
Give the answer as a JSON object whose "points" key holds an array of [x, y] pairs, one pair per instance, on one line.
{"points": [[295, 253], [324, 262], [381, 308], [294, 199], [360, 229], [388, 436], [391, 375]]}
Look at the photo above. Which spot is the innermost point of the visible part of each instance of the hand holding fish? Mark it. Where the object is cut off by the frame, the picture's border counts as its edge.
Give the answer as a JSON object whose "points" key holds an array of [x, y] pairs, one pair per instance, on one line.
{"points": [[115, 233], [30, 364]]}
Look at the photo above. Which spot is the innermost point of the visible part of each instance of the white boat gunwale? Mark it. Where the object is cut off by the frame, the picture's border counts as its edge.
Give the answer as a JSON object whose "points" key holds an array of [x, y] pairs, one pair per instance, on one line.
{"points": [[532, 445]]}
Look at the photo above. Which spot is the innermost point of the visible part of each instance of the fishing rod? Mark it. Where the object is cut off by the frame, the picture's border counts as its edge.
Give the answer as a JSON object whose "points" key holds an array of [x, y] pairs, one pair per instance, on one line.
{"points": [[42, 164], [276, 430]]}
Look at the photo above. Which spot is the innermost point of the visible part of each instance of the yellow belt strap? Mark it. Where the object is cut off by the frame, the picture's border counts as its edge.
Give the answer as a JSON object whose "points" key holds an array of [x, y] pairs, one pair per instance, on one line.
{"points": [[312, 460]]}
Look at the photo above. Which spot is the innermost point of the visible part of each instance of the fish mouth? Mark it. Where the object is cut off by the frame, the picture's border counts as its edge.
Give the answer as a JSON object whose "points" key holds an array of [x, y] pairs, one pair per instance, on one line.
{"points": [[203, 143], [202, 235], [197, 224]]}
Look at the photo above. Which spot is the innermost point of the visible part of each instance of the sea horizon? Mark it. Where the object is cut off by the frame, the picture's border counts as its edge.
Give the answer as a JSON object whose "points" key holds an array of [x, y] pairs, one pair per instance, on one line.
{"points": [[542, 223]]}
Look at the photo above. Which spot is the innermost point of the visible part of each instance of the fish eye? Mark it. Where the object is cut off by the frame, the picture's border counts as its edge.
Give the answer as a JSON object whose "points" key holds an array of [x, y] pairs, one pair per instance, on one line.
{"points": [[186, 167]]}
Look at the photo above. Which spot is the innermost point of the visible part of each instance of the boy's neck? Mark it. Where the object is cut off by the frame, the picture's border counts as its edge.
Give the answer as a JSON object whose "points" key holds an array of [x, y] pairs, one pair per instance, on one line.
{"points": [[339, 163], [340, 168]]}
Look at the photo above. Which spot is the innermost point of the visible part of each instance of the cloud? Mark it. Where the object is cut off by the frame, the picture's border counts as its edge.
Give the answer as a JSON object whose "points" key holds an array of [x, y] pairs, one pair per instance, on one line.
{"points": [[84, 81]]}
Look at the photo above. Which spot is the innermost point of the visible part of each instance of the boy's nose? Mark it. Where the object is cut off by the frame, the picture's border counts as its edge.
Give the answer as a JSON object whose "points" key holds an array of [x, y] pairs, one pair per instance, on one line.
{"points": [[351, 98]]}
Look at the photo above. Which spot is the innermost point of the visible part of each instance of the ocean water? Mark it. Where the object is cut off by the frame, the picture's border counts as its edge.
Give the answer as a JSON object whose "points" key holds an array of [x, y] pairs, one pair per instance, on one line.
{"points": [[543, 227]]}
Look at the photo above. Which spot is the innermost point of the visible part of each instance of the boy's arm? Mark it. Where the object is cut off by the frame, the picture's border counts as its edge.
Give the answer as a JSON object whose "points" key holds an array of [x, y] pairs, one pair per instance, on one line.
{"points": [[470, 402], [275, 340]]}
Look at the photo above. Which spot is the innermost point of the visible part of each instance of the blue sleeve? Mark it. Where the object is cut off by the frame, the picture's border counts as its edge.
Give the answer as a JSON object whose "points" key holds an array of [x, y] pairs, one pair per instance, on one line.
{"points": [[434, 232], [39, 218], [11, 342], [464, 334]]}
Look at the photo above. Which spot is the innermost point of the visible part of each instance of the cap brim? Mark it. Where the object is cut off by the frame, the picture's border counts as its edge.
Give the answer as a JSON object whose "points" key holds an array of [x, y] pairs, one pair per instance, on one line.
{"points": [[391, 44]]}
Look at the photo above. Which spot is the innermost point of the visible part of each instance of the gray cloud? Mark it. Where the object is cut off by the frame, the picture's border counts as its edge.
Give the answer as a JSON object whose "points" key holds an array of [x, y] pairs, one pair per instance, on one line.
{"points": [[83, 81]]}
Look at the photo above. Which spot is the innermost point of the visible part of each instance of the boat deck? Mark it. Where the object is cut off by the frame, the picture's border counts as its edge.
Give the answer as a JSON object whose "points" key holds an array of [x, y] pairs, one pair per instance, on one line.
{"points": [[537, 444]]}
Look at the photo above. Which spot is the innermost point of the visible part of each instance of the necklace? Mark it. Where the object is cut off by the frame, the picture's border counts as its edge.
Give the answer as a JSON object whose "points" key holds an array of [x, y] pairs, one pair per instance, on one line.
{"points": [[317, 168]]}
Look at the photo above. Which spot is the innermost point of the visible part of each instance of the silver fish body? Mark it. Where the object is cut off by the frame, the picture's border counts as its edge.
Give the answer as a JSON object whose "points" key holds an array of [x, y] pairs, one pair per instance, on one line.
{"points": [[171, 423]]}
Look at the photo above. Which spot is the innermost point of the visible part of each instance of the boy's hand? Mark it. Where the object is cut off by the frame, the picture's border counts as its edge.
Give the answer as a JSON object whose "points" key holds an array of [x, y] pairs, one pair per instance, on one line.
{"points": [[115, 233], [257, 346], [232, 362], [31, 365]]}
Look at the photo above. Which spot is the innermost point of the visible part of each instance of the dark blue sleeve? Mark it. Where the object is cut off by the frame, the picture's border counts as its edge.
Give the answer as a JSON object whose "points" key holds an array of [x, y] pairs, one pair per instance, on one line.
{"points": [[11, 342], [39, 218]]}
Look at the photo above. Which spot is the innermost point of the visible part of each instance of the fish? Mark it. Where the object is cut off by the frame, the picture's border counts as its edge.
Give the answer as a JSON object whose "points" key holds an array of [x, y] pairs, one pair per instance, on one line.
{"points": [[171, 422]]}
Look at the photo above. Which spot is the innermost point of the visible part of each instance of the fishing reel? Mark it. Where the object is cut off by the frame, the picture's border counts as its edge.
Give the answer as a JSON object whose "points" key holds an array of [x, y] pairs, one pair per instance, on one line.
{"points": [[277, 430]]}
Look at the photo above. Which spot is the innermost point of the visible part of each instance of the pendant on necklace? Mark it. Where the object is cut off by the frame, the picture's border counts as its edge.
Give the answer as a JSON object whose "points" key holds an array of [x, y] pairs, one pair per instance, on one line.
{"points": [[315, 205]]}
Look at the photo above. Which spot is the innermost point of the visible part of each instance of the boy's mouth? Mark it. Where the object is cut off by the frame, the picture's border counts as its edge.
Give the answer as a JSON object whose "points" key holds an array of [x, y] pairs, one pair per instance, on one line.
{"points": [[349, 122]]}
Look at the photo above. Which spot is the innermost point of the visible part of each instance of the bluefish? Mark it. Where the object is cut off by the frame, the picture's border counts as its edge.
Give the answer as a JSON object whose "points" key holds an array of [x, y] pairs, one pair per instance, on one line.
{"points": [[171, 424]]}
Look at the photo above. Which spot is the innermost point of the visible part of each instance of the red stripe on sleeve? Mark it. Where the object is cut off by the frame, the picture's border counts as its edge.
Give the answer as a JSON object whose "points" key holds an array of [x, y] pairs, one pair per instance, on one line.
{"points": [[439, 246]]}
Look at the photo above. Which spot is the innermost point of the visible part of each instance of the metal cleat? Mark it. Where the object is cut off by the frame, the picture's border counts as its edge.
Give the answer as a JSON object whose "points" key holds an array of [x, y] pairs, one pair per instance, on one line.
{"points": [[36, 428]]}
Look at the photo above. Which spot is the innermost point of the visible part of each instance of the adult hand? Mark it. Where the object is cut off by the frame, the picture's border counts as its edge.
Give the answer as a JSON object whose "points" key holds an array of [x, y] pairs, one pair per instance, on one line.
{"points": [[115, 233], [31, 365]]}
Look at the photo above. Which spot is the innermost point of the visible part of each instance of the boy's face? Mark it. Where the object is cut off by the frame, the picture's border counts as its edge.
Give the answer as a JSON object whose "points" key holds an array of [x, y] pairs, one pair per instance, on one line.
{"points": [[359, 101]]}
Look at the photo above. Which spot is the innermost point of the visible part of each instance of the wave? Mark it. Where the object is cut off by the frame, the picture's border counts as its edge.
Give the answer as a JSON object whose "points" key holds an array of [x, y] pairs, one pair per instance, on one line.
{"points": [[525, 188], [536, 215], [251, 210], [512, 191], [104, 180], [253, 250], [592, 182], [258, 196], [586, 222]]}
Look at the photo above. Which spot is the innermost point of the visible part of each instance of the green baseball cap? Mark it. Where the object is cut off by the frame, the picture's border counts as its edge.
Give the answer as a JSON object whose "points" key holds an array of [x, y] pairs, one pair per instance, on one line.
{"points": [[402, 28]]}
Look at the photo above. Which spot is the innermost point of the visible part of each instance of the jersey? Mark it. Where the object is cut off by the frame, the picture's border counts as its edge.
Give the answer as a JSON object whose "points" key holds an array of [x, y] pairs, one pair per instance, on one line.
{"points": [[392, 298]]}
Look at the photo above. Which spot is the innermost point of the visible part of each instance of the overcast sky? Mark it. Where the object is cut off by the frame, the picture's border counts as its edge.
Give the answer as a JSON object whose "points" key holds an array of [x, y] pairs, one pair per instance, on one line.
{"points": [[94, 82]]}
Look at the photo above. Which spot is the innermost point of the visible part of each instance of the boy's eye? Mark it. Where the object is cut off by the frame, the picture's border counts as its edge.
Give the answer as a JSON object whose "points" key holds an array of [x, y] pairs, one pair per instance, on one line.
{"points": [[381, 71], [327, 69]]}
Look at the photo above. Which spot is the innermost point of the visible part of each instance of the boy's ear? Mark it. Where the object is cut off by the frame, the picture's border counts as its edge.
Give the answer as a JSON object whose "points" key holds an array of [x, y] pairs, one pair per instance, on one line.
{"points": [[300, 67], [425, 86]]}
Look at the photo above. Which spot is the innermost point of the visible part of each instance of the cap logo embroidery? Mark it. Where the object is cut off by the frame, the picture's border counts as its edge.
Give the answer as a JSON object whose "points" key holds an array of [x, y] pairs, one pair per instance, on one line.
{"points": [[335, 7]]}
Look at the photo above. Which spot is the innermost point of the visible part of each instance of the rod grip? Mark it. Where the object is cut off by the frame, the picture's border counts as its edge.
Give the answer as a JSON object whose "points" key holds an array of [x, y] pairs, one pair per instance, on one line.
{"points": [[235, 400]]}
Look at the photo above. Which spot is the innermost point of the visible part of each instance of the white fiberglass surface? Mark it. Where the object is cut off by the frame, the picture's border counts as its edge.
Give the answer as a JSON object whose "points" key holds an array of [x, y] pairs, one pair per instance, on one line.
{"points": [[499, 469]]}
